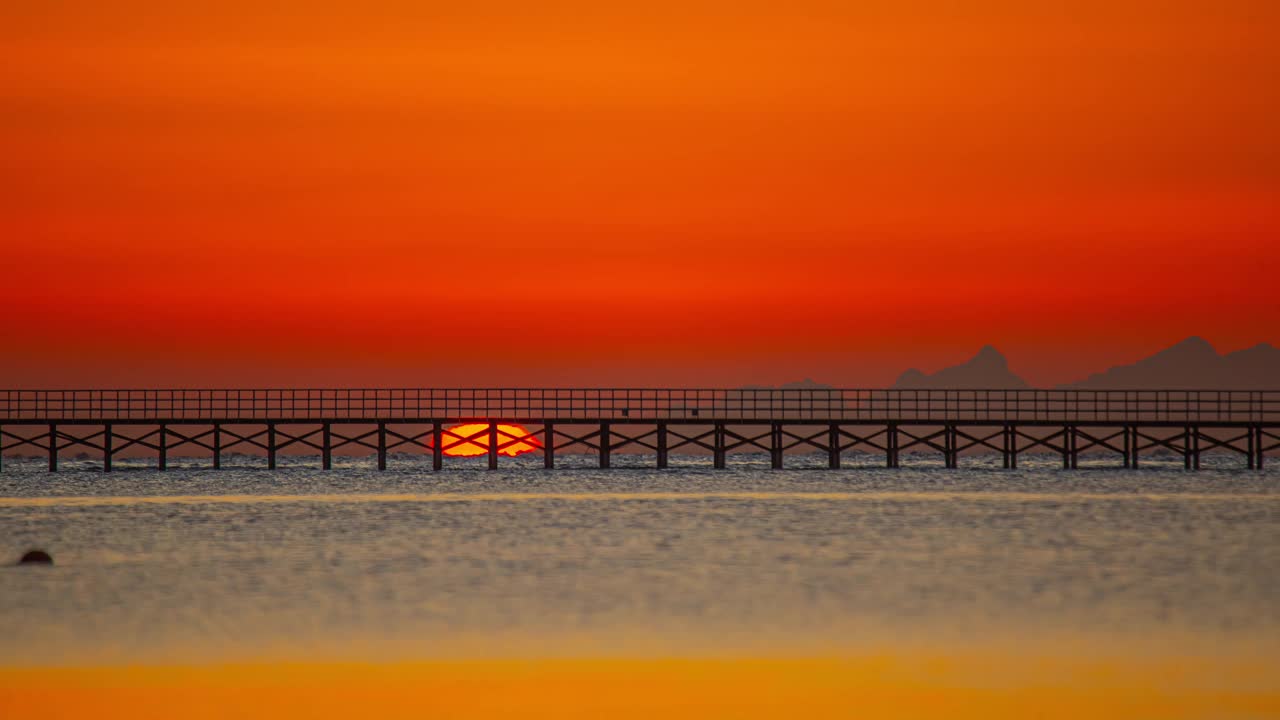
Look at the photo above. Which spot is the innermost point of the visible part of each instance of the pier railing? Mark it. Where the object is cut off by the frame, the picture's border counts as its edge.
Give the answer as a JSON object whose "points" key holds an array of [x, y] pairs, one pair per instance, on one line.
{"points": [[643, 404]]}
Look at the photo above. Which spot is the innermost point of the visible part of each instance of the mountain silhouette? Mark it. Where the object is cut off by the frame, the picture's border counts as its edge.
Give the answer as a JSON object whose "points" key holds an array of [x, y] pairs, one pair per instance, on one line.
{"points": [[805, 384], [1193, 364], [986, 370]]}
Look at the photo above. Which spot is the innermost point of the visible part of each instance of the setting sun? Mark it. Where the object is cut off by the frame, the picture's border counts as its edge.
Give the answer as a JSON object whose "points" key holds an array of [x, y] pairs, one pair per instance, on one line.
{"points": [[472, 439]]}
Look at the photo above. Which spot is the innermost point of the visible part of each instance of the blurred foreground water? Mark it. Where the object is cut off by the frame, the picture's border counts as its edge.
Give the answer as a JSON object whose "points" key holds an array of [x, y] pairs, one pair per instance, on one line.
{"points": [[194, 565]]}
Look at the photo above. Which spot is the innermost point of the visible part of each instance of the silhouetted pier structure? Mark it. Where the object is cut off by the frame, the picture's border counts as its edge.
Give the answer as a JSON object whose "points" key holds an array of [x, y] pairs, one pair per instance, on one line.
{"points": [[1125, 423]]}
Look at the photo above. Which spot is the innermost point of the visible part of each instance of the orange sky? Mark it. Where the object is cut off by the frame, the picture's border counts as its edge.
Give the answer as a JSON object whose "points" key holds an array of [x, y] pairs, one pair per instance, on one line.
{"points": [[588, 193]]}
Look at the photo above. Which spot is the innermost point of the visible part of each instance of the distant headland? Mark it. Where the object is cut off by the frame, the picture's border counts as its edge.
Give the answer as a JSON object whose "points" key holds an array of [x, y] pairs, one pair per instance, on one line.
{"points": [[1190, 364]]}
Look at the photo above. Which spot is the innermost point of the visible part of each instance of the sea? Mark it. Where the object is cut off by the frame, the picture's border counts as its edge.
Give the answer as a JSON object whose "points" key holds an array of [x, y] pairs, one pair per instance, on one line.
{"points": [[353, 565]]}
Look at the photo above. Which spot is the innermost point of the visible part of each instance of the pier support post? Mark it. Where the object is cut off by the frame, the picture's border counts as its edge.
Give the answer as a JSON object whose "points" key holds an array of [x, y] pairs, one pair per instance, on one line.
{"points": [[1137, 445], [2, 448], [1128, 444], [833, 446], [606, 444], [1075, 444], [53, 447], [1249, 446], [1013, 446], [164, 447], [493, 446], [437, 446], [718, 452], [891, 446], [217, 446], [1004, 446], [1195, 447], [1186, 447], [549, 446], [382, 445], [949, 445], [1066, 447], [106, 447], [326, 446], [775, 446], [271, 446], [662, 446], [955, 447], [1261, 446]]}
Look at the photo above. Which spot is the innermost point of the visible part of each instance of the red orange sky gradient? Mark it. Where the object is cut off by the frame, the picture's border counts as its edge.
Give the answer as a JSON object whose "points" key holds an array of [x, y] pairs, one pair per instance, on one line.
{"points": [[586, 193]]}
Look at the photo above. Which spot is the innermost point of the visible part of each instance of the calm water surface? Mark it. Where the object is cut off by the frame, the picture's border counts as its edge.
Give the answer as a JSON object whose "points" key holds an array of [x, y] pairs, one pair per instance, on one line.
{"points": [[354, 564]]}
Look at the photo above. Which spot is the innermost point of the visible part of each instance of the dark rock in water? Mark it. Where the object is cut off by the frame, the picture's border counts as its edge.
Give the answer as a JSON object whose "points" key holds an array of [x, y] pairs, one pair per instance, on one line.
{"points": [[36, 557]]}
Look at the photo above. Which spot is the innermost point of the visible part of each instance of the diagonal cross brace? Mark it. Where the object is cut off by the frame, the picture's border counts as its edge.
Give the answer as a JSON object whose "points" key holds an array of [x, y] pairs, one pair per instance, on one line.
{"points": [[868, 440], [1169, 442], [744, 440], [1228, 443], [73, 440], [801, 440], [303, 439], [33, 440], [472, 439], [401, 439], [1046, 441], [576, 440], [140, 440], [696, 440], [357, 440], [1103, 442], [1263, 433], [246, 439], [529, 438], [193, 440], [975, 441], [925, 440]]}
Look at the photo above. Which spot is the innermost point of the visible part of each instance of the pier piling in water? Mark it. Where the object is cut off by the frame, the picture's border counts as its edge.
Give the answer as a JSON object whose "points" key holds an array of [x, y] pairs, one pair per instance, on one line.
{"points": [[775, 445], [1261, 449], [493, 446], [605, 444], [53, 447], [661, 439], [833, 446], [1013, 447], [217, 446], [107, 450], [162, 440], [549, 446], [326, 446], [718, 449], [951, 458], [891, 445], [382, 446], [437, 446], [271, 446], [1128, 445]]}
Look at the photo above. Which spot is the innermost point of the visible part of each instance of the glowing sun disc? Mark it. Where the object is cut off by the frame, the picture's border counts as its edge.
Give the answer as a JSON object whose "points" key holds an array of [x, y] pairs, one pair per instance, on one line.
{"points": [[478, 444]]}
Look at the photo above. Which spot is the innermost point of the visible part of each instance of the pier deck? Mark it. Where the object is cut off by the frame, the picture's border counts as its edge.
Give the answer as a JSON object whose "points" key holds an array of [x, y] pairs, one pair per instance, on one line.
{"points": [[1125, 423]]}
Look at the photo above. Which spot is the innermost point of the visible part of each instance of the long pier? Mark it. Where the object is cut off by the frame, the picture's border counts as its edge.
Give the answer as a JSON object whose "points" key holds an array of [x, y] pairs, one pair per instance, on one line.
{"points": [[1123, 423]]}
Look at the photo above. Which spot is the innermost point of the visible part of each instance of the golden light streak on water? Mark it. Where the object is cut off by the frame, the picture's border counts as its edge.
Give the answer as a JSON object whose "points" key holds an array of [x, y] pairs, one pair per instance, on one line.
{"points": [[872, 686]]}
